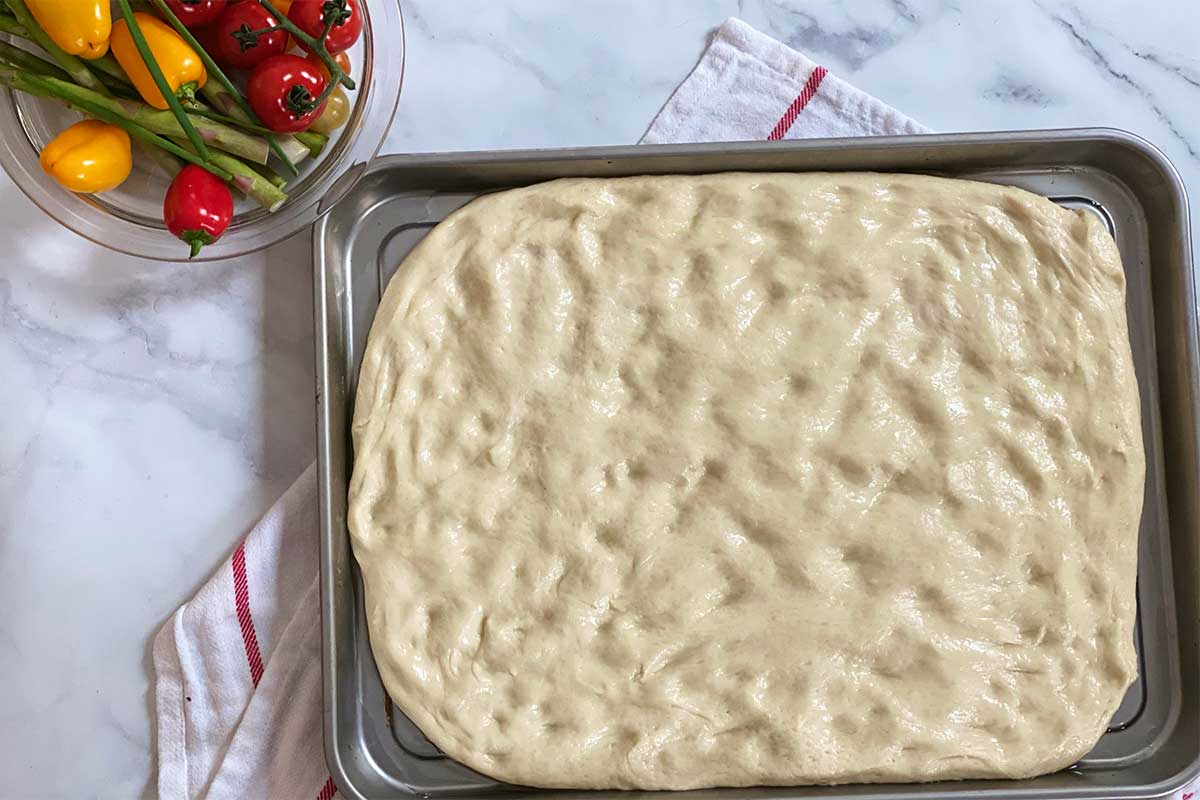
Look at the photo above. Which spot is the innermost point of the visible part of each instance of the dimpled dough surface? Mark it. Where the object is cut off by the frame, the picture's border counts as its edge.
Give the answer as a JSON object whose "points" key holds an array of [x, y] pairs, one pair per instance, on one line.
{"points": [[673, 482]]}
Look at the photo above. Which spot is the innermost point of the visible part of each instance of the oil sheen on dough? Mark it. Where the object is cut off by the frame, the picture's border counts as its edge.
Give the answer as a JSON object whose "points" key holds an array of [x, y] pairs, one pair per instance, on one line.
{"points": [[673, 482]]}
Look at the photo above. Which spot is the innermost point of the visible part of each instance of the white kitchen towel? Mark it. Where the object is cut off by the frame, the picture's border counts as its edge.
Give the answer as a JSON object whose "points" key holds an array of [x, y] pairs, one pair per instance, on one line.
{"points": [[749, 87], [238, 668]]}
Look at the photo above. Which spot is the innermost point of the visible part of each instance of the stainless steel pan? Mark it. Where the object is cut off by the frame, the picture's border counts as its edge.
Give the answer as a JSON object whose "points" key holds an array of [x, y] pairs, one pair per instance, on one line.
{"points": [[1153, 743]]}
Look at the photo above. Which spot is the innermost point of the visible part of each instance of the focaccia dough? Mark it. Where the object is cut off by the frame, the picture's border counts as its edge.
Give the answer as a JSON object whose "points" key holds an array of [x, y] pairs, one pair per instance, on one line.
{"points": [[672, 482]]}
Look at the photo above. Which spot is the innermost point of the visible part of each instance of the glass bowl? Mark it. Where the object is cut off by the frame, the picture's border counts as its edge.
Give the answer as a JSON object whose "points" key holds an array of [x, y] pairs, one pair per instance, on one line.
{"points": [[129, 218]]}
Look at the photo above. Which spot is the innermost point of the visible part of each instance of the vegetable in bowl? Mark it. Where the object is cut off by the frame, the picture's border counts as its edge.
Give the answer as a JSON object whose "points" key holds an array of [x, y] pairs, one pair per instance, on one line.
{"points": [[203, 116]]}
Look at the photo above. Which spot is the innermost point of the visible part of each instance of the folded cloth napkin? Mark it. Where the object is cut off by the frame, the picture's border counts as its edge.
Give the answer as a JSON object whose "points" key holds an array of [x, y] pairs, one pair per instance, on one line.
{"points": [[238, 668]]}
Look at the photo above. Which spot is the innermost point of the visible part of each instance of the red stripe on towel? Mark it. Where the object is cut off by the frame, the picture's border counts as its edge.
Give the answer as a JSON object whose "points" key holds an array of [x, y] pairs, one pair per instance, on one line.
{"points": [[328, 790], [241, 597], [806, 94]]}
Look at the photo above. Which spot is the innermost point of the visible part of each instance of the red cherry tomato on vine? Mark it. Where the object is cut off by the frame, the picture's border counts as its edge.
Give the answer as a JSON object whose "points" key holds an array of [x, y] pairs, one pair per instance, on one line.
{"points": [[198, 207], [283, 92], [195, 13], [234, 42], [310, 16]]}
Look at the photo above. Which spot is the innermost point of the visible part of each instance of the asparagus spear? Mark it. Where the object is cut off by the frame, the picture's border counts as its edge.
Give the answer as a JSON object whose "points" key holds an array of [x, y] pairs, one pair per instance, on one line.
{"points": [[247, 179], [23, 59], [143, 122], [220, 136], [219, 77], [315, 142], [43, 87], [169, 164], [222, 165], [110, 73], [160, 80], [277, 180], [226, 103], [265, 193], [105, 67], [72, 65], [196, 107], [9, 25]]}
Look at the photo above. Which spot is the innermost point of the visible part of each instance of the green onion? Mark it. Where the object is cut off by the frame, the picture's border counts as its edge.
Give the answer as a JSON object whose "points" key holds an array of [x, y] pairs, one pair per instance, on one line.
{"points": [[214, 71], [36, 84], [160, 80]]}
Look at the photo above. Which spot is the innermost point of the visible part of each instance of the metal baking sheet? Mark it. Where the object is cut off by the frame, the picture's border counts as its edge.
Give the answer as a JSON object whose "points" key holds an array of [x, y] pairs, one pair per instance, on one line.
{"points": [[1153, 743]]}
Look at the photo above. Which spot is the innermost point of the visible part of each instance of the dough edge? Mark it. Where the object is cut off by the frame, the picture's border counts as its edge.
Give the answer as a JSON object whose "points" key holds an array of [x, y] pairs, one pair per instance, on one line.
{"points": [[396, 300]]}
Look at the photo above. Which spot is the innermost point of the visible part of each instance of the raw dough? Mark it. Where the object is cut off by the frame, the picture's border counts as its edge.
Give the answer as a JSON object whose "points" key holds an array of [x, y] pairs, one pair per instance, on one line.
{"points": [[673, 482]]}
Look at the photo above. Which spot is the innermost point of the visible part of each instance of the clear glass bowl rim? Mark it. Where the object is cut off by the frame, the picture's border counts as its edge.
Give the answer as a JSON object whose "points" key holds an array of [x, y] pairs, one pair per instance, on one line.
{"points": [[338, 168]]}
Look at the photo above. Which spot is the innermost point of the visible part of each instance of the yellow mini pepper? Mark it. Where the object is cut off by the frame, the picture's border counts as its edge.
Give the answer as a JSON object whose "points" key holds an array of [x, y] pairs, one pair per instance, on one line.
{"points": [[178, 61], [80, 27], [90, 156]]}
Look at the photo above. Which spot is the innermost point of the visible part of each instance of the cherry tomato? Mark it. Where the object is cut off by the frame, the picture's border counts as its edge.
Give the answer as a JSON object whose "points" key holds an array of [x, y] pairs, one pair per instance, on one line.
{"points": [[234, 43], [337, 109], [282, 6], [283, 91], [198, 207], [195, 13], [310, 16], [341, 59]]}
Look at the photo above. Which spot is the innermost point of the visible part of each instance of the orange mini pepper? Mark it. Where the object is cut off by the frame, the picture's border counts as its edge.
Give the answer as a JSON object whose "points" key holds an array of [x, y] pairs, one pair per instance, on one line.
{"points": [[179, 63], [90, 156], [80, 27]]}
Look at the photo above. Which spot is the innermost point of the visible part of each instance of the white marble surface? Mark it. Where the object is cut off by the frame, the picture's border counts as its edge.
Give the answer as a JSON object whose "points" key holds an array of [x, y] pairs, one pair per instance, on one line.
{"points": [[151, 412]]}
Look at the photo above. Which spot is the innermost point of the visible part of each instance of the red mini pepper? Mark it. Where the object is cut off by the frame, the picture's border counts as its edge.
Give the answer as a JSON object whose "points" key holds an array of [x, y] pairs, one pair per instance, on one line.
{"points": [[198, 207]]}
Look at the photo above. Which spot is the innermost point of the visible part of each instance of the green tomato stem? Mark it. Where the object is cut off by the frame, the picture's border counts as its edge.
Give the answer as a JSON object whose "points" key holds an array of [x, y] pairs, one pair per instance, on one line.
{"points": [[215, 72], [336, 75]]}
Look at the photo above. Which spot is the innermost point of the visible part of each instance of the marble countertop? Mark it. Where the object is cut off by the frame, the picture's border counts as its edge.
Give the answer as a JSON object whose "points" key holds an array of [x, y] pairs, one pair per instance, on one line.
{"points": [[151, 412]]}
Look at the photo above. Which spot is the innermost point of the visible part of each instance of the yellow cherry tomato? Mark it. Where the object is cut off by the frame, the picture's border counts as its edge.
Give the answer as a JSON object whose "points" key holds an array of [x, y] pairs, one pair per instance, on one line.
{"points": [[341, 59], [80, 27], [337, 109], [90, 156], [178, 61]]}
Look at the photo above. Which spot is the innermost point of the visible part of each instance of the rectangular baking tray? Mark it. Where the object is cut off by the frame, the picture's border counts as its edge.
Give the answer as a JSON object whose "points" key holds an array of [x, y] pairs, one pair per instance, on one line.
{"points": [[1152, 746]]}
